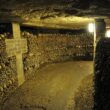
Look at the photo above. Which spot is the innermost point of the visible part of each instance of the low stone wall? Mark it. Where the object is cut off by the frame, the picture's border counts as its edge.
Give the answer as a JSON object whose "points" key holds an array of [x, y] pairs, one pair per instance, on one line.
{"points": [[42, 49]]}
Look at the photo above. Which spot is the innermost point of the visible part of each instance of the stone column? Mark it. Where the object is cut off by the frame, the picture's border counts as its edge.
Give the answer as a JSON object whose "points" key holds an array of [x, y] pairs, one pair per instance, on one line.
{"points": [[102, 69], [100, 27], [99, 32]]}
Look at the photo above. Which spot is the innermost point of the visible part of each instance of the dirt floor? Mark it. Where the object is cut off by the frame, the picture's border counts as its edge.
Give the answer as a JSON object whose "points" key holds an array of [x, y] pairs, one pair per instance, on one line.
{"points": [[51, 88]]}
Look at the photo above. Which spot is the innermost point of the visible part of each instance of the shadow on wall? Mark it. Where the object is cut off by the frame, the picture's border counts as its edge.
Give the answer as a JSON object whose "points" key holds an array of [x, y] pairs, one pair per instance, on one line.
{"points": [[102, 75]]}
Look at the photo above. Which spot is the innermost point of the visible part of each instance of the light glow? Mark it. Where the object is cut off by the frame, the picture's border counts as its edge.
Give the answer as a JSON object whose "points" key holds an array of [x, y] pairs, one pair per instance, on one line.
{"points": [[108, 33], [91, 27]]}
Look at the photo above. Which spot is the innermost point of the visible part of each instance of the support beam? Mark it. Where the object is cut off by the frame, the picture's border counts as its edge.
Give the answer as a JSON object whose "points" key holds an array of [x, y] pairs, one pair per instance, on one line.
{"points": [[19, 60]]}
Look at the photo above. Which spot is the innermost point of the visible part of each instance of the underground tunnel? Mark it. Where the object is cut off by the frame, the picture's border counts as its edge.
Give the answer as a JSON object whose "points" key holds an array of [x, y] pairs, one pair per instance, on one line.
{"points": [[54, 55]]}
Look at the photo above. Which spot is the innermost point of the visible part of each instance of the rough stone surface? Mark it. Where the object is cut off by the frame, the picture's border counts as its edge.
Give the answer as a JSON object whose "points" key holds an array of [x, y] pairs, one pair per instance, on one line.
{"points": [[54, 13], [52, 8]]}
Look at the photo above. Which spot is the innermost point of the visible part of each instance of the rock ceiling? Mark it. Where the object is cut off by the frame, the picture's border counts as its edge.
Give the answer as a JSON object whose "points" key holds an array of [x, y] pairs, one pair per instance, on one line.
{"points": [[54, 13]]}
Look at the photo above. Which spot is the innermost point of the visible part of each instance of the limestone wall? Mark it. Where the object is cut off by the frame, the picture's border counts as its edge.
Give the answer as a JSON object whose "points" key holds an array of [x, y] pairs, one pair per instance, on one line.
{"points": [[42, 49]]}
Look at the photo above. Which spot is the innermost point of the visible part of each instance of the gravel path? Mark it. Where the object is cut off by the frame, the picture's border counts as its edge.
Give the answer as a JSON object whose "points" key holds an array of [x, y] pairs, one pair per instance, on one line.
{"points": [[51, 88]]}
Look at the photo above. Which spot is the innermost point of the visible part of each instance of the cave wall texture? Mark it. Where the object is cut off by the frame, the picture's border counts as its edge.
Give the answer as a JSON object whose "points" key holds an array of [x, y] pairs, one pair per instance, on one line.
{"points": [[34, 10], [73, 7]]}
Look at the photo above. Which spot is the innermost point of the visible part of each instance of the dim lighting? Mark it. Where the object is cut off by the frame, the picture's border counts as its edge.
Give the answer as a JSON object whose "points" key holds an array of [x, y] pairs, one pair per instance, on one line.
{"points": [[108, 33], [91, 27]]}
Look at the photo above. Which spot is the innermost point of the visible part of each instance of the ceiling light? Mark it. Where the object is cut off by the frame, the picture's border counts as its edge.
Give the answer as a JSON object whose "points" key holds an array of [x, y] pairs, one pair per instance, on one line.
{"points": [[91, 27], [108, 33]]}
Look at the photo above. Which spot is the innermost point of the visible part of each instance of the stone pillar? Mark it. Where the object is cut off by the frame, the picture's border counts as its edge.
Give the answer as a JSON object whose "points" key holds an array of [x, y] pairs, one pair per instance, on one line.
{"points": [[102, 69], [99, 32], [100, 27]]}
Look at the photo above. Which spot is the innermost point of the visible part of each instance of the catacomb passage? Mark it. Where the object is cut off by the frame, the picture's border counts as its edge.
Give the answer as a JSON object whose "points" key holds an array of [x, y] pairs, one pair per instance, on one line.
{"points": [[42, 62], [54, 54]]}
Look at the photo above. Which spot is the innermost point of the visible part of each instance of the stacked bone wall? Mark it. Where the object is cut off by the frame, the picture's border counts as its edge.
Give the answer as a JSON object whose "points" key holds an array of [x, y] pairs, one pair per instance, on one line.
{"points": [[8, 79], [52, 48]]}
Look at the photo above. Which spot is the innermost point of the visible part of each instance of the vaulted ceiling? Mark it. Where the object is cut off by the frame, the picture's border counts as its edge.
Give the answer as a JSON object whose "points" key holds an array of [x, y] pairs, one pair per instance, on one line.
{"points": [[55, 13]]}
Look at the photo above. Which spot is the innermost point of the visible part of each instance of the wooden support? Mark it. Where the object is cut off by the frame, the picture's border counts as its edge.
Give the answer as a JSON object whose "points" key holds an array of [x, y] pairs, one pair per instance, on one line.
{"points": [[15, 47]]}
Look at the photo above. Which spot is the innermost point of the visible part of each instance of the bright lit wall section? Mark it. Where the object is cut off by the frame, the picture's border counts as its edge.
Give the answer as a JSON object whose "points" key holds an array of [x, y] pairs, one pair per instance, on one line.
{"points": [[108, 33]]}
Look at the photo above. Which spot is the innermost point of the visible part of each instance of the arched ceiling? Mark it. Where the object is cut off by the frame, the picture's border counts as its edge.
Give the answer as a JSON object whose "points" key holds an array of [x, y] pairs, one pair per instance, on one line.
{"points": [[55, 13]]}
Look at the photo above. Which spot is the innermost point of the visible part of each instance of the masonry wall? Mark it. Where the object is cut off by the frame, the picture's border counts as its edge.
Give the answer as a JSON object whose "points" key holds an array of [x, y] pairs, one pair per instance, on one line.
{"points": [[42, 49]]}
